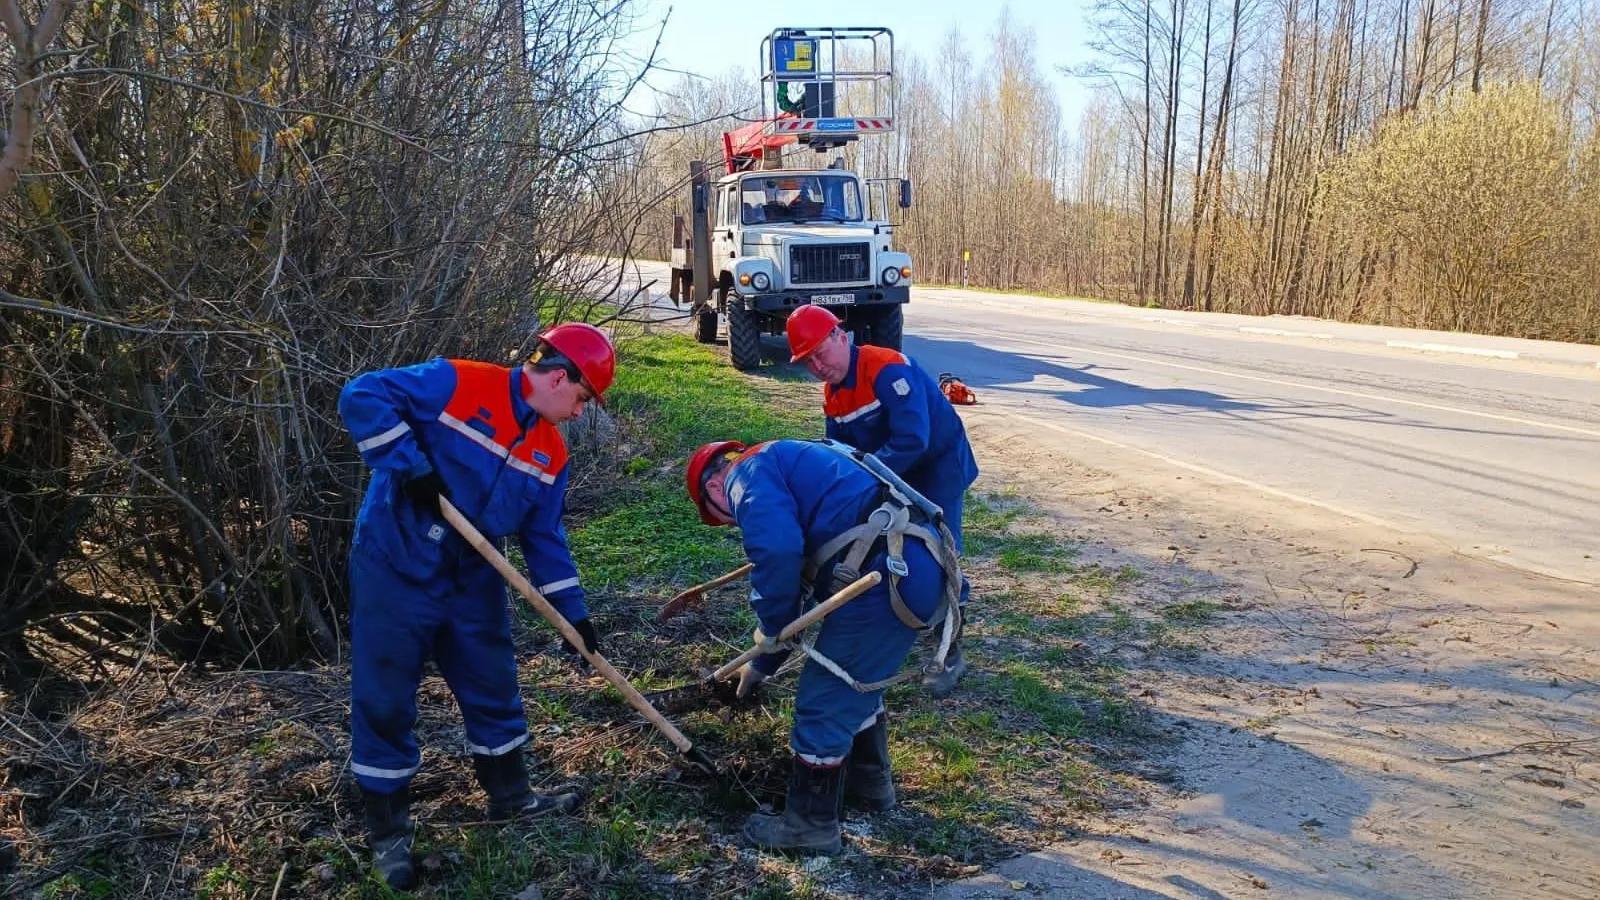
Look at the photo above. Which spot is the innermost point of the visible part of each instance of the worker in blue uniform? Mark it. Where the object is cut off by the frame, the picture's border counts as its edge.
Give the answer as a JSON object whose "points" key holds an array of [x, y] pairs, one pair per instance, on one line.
{"points": [[791, 499], [484, 436], [880, 401]]}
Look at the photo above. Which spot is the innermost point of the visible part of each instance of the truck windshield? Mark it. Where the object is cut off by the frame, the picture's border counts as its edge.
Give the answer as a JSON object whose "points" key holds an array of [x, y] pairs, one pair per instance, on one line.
{"points": [[822, 197]]}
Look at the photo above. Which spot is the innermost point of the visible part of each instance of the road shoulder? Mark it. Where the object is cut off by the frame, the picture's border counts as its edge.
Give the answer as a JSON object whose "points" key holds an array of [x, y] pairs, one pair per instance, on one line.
{"points": [[1366, 713]]}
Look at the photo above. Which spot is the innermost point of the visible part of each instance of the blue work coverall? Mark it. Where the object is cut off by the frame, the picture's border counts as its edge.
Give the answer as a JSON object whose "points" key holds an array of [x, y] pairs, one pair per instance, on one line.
{"points": [[892, 408], [418, 589], [790, 498]]}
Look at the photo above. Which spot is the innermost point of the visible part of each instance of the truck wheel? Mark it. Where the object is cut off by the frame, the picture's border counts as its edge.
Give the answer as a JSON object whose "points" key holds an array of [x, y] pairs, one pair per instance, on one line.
{"points": [[860, 327], [888, 326], [705, 325], [744, 337]]}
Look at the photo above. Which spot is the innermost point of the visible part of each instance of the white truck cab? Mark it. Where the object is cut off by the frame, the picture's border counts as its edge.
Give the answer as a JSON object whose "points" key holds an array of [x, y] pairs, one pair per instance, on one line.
{"points": [[767, 238], [786, 238]]}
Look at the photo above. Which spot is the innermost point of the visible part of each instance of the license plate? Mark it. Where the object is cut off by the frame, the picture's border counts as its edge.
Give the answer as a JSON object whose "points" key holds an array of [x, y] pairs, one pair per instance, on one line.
{"points": [[833, 299]]}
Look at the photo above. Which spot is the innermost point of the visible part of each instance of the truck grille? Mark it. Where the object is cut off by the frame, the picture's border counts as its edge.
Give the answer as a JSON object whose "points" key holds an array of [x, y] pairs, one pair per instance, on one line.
{"points": [[829, 263]]}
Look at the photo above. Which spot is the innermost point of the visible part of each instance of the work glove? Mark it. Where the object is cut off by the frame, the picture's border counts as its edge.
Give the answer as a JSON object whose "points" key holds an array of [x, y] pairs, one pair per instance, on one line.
{"points": [[750, 678], [425, 490], [591, 640]]}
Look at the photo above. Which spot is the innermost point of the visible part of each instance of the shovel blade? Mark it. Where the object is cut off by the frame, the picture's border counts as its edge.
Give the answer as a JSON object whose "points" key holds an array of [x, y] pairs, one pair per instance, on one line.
{"points": [[707, 693], [674, 607], [701, 760]]}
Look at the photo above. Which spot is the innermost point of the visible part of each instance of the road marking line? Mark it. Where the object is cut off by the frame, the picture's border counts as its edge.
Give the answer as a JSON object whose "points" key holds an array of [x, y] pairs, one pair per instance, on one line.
{"points": [[1571, 429], [1452, 348]]}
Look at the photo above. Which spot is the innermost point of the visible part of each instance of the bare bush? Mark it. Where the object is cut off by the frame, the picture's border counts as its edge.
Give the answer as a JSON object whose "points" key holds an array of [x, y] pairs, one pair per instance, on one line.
{"points": [[232, 208], [1470, 216]]}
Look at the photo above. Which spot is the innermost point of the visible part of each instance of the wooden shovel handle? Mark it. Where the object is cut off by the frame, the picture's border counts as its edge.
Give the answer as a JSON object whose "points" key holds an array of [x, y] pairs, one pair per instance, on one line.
{"points": [[532, 595], [851, 591], [721, 580]]}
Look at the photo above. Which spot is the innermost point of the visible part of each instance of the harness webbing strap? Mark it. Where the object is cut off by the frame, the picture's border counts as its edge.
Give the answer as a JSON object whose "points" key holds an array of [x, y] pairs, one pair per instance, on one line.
{"points": [[905, 513]]}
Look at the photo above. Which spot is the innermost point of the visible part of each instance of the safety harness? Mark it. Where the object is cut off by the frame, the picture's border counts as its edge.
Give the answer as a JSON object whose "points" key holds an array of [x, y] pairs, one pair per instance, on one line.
{"points": [[903, 513]]}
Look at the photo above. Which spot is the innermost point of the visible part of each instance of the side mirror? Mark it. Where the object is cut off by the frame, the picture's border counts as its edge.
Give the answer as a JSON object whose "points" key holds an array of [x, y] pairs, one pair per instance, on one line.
{"points": [[905, 193]]}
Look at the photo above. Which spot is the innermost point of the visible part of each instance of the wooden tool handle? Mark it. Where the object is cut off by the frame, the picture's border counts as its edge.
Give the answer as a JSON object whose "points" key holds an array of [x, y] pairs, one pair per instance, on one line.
{"points": [[532, 595], [721, 580], [851, 591], [681, 601]]}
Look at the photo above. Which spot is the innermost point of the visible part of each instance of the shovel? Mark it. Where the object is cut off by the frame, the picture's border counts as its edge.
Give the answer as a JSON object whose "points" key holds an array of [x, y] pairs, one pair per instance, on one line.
{"points": [[713, 688], [686, 748], [698, 593]]}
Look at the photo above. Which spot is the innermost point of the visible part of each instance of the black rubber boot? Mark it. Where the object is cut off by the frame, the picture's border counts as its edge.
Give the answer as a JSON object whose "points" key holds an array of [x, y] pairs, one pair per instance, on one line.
{"points": [[389, 833], [810, 821], [505, 780], [868, 781]]}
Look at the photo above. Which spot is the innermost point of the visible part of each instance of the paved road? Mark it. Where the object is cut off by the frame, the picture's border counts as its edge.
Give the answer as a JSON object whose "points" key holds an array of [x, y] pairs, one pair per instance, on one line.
{"points": [[1494, 449]]}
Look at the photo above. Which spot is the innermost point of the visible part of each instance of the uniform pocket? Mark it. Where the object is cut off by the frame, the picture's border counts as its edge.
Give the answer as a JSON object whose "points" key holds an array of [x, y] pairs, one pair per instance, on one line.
{"points": [[408, 543]]}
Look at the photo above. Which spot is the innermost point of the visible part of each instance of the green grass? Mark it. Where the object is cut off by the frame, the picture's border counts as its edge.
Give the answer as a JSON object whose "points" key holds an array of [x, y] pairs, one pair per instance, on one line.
{"points": [[658, 532], [987, 521], [223, 881], [1057, 712], [679, 395], [1036, 553], [1191, 612], [991, 512], [688, 395], [1106, 581], [957, 759], [1040, 553]]}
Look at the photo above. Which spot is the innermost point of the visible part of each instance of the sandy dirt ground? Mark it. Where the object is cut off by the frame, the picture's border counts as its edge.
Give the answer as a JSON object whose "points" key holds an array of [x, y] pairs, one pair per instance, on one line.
{"points": [[1367, 713]]}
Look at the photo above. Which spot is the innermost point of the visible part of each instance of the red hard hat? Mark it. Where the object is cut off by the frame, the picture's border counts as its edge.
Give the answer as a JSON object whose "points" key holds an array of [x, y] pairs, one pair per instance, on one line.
{"points": [[807, 328], [589, 349], [694, 475]]}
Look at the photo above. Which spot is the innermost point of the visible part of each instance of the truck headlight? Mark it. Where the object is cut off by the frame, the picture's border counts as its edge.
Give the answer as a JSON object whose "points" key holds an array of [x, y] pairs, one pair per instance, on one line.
{"points": [[891, 276], [761, 281]]}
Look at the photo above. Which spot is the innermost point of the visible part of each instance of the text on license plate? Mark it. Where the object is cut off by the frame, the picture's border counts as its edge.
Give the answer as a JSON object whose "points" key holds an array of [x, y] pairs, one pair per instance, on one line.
{"points": [[832, 299]]}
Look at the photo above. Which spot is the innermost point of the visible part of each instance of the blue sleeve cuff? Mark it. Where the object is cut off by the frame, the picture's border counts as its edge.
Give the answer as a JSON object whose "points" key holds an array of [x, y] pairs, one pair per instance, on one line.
{"points": [[768, 664]]}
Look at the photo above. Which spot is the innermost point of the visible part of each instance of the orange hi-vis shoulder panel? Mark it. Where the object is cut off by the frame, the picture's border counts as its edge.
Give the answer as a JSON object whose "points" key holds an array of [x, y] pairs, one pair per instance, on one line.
{"points": [[846, 404], [749, 451], [480, 410]]}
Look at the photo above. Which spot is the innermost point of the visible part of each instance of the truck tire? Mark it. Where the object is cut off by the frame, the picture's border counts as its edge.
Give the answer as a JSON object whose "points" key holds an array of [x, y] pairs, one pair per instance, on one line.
{"points": [[705, 325], [860, 327], [888, 327], [744, 337]]}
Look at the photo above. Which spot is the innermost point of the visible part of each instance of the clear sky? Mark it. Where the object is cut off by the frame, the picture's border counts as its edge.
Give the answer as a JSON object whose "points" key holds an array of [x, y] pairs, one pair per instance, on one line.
{"points": [[708, 37]]}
